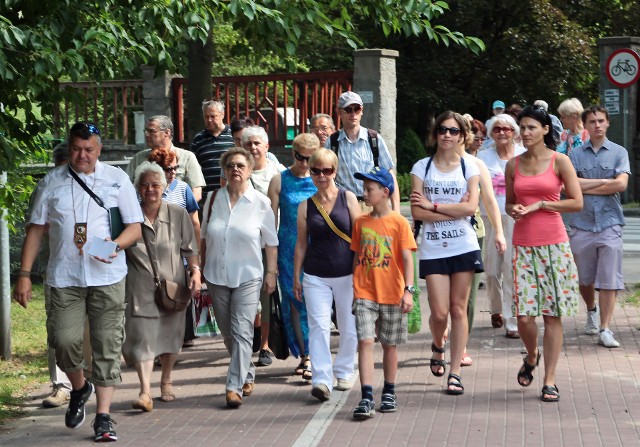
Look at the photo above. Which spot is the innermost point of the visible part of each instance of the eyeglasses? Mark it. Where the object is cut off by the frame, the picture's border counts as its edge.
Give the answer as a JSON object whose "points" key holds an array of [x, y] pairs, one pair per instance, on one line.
{"points": [[151, 130], [498, 129], [325, 171], [443, 130], [170, 169], [350, 109], [479, 139], [81, 125], [238, 166], [324, 129], [300, 157], [151, 185]]}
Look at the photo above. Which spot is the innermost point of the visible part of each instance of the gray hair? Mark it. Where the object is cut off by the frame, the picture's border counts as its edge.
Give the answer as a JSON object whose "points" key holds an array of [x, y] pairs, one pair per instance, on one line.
{"points": [[505, 118], [60, 153], [255, 131], [164, 122], [237, 151], [541, 103], [147, 167], [317, 116], [212, 104], [571, 106]]}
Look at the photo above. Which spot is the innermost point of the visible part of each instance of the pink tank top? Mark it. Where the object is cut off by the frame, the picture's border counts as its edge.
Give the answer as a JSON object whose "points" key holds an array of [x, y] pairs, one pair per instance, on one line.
{"points": [[542, 227]]}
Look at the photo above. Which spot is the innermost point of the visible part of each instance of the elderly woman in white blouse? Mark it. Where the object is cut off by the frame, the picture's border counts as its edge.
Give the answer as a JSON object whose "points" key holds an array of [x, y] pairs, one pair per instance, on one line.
{"points": [[235, 227]]}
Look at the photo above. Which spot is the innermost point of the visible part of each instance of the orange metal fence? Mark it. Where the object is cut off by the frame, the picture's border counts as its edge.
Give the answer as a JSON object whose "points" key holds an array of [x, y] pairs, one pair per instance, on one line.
{"points": [[109, 104], [281, 103]]}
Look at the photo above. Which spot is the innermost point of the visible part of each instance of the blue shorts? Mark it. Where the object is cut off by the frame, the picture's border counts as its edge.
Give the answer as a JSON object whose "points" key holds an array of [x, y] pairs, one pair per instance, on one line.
{"points": [[466, 262]]}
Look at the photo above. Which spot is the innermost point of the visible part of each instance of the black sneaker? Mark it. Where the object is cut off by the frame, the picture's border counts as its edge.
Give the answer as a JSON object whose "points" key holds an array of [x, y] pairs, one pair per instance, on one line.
{"points": [[264, 358], [365, 409], [388, 404], [75, 415], [103, 427]]}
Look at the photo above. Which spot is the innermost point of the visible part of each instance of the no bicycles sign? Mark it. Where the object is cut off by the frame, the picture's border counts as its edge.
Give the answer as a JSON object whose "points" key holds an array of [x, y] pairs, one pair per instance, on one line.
{"points": [[623, 67]]}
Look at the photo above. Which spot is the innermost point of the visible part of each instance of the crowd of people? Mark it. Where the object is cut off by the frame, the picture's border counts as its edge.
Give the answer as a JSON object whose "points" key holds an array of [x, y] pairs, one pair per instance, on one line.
{"points": [[326, 232]]}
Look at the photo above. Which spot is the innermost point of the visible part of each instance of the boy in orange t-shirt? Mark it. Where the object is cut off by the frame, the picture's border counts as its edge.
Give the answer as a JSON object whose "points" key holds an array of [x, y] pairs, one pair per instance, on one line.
{"points": [[383, 287]]}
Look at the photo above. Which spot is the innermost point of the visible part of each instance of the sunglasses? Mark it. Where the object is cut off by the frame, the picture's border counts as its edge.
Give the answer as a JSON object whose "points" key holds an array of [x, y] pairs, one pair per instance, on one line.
{"points": [[498, 129], [443, 130], [238, 166], [325, 171], [170, 169], [90, 127], [300, 157], [350, 109]]}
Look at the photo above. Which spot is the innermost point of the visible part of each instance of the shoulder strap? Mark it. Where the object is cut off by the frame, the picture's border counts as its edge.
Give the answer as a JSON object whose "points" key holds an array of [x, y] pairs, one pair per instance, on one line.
{"points": [[373, 143], [213, 197], [464, 168], [427, 168], [334, 141], [97, 199], [327, 219], [151, 258]]}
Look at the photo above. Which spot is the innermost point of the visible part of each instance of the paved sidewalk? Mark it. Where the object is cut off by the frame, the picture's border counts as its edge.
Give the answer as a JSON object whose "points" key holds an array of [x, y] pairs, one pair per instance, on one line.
{"points": [[600, 402]]}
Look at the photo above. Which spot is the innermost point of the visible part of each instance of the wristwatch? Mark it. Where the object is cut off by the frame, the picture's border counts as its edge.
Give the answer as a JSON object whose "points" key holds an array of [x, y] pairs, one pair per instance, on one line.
{"points": [[411, 289]]}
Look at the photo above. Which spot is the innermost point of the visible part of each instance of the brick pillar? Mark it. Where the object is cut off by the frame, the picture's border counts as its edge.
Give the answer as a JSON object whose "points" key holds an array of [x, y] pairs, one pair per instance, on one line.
{"points": [[374, 79]]}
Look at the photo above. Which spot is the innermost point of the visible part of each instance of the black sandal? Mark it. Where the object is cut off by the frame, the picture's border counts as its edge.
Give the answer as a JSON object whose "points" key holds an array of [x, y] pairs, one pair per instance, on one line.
{"points": [[304, 362], [525, 371], [437, 363], [306, 374], [456, 381], [552, 391]]}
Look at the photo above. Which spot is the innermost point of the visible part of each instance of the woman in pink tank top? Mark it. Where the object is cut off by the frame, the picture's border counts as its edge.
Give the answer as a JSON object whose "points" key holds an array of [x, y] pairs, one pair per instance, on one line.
{"points": [[545, 276]]}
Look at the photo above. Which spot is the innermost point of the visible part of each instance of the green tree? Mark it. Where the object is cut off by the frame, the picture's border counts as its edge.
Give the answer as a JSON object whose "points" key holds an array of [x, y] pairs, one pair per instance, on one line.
{"points": [[39, 46]]}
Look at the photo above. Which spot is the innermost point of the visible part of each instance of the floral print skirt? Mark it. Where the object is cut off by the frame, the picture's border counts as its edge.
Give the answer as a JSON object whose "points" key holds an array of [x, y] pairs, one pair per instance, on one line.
{"points": [[545, 281]]}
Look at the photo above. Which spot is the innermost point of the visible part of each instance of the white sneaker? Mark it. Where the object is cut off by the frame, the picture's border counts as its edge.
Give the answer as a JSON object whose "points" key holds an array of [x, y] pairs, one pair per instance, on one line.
{"points": [[343, 384], [606, 339], [592, 327]]}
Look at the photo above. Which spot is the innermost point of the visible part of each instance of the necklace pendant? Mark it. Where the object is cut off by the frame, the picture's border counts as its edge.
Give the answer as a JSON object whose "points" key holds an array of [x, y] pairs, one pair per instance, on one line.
{"points": [[80, 236]]}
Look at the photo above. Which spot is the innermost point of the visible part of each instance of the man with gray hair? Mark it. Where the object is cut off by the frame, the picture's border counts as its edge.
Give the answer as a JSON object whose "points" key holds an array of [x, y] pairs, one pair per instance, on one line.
{"points": [[322, 126], [210, 143], [158, 134], [555, 121]]}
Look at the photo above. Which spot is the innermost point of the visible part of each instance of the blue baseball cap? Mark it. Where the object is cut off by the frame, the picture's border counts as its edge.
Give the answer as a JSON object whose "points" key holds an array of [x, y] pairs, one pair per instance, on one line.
{"points": [[498, 105], [378, 174]]}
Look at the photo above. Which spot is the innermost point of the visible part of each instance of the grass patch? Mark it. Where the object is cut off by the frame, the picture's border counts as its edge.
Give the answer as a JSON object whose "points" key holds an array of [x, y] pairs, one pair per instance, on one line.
{"points": [[632, 297], [28, 367], [631, 205]]}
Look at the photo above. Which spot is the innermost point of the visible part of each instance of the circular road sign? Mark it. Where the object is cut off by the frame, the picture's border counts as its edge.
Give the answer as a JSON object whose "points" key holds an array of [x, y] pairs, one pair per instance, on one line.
{"points": [[623, 67]]}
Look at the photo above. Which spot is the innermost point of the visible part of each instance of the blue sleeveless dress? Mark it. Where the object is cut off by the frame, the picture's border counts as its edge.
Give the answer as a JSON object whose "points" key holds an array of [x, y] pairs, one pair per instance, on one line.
{"points": [[293, 190]]}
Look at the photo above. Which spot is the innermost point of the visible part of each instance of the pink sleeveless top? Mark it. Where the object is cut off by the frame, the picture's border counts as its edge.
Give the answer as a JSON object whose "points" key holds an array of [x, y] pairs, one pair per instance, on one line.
{"points": [[542, 227]]}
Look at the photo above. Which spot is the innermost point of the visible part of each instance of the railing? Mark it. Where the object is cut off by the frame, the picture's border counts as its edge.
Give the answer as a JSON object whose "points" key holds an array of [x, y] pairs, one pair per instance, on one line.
{"points": [[109, 104], [281, 103]]}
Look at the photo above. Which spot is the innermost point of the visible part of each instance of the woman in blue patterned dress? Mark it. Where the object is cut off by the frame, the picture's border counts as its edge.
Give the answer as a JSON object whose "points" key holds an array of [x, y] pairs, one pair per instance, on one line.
{"points": [[286, 191]]}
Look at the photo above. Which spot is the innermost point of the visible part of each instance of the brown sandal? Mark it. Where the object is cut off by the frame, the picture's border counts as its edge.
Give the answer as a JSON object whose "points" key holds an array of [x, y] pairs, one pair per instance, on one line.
{"points": [[166, 392], [144, 403]]}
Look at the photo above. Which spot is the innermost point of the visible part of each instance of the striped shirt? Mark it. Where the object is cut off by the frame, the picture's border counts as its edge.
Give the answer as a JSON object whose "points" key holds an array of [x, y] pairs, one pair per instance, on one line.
{"points": [[179, 193], [208, 150]]}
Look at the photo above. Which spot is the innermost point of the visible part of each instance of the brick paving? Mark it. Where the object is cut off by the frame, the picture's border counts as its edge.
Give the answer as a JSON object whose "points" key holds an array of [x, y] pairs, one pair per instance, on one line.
{"points": [[600, 402]]}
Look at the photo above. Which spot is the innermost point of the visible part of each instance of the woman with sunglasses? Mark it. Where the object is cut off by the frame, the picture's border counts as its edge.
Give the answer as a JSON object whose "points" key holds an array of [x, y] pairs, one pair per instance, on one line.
{"points": [[237, 222], [545, 275], [286, 191], [323, 249], [444, 195], [498, 269], [479, 137]]}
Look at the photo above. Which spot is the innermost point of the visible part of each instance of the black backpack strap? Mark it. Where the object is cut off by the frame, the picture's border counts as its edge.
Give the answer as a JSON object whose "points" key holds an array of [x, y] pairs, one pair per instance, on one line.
{"points": [[464, 168], [373, 143], [334, 141]]}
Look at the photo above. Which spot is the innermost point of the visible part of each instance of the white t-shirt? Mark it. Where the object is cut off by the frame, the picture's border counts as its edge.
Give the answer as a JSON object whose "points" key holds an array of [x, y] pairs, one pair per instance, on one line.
{"points": [[261, 178], [450, 237], [496, 168]]}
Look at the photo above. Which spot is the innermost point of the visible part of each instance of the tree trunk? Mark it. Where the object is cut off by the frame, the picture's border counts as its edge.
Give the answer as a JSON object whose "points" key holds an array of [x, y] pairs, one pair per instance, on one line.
{"points": [[199, 87]]}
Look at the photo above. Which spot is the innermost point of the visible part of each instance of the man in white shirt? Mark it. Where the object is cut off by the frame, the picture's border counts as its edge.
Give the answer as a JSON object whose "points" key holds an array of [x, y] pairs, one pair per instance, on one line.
{"points": [[81, 284]]}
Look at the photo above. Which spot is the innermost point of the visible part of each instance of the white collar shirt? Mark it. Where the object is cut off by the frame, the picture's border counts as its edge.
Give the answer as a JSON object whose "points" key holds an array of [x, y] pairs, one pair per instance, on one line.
{"points": [[61, 202], [235, 238]]}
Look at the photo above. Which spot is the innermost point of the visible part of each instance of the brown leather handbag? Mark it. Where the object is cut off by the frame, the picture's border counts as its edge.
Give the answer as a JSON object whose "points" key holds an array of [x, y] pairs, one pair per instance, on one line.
{"points": [[170, 296]]}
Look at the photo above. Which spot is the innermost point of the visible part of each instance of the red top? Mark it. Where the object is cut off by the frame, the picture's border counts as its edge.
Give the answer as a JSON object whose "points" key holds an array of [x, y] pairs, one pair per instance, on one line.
{"points": [[542, 227]]}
